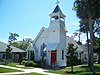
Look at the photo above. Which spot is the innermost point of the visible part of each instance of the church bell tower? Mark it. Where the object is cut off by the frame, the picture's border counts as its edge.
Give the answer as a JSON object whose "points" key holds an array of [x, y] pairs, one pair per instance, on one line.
{"points": [[57, 35]]}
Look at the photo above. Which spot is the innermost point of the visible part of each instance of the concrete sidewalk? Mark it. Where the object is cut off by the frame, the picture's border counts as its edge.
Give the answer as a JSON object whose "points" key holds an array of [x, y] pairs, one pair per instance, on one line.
{"points": [[36, 70]]}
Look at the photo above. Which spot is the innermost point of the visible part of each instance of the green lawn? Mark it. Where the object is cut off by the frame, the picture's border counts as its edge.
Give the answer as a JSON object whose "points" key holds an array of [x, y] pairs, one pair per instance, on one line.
{"points": [[5, 70], [12, 64], [78, 70]]}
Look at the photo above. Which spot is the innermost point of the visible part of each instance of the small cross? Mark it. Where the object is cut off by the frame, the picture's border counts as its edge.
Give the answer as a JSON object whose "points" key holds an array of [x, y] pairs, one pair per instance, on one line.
{"points": [[57, 2]]}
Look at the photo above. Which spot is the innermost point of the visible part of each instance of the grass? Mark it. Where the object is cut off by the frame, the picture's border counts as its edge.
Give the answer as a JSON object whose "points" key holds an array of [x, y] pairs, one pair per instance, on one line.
{"points": [[78, 70], [5, 70], [12, 64]]}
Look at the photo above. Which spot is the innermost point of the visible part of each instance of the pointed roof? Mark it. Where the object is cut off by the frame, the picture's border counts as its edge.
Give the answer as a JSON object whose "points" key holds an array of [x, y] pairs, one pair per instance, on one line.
{"points": [[57, 11]]}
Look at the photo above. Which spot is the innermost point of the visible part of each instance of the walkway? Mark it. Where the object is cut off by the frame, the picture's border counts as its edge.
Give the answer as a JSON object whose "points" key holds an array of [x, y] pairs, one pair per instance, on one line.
{"points": [[36, 70]]}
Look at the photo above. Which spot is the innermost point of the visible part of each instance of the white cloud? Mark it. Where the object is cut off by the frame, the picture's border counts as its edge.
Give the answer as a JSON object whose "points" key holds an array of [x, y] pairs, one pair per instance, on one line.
{"points": [[68, 34], [83, 38], [83, 42], [2, 40], [19, 39], [28, 37]]}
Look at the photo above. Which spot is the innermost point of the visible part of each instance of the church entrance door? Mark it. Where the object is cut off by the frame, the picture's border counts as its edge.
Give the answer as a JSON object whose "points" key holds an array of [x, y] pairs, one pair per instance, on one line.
{"points": [[53, 57]]}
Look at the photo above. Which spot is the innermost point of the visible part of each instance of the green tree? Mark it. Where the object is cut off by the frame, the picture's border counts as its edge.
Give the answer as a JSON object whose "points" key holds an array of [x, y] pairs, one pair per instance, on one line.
{"points": [[89, 10], [21, 44], [12, 37], [97, 47], [96, 28], [71, 55], [20, 58], [84, 28], [8, 52]]}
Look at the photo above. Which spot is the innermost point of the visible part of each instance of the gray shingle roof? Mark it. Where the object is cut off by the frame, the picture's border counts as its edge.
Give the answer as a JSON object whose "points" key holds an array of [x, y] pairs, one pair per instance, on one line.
{"points": [[3, 47], [57, 12]]}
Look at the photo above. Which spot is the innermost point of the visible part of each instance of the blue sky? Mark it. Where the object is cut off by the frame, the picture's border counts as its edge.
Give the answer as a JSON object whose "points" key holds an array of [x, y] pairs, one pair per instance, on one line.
{"points": [[27, 17]]}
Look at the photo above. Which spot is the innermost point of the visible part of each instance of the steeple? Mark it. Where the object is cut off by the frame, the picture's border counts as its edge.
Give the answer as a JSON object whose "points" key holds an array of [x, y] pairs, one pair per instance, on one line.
{"points": [[57, 9], [57, 19], [57, 37], [57, 13]]}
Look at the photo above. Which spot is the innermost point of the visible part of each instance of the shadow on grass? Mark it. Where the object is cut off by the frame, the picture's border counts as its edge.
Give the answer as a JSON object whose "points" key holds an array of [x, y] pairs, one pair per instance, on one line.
{"points": [[90, 73], [81, 73], [78, 70], [74, 72], [85, 71], [86, 68], [97, 68]]}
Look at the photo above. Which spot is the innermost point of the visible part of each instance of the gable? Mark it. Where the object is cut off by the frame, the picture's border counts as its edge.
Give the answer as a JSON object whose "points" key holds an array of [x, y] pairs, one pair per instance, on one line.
{"points": [[41, 34], [41, 37], [71, 40]]}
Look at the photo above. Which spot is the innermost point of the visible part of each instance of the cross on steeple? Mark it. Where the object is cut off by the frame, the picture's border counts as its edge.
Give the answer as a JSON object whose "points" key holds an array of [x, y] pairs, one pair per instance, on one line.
{"points": [[57, 2]]}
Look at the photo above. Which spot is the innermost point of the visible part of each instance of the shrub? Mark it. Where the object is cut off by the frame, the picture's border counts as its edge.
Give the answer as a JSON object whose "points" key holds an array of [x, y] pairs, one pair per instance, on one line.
{"points": [[38, 64], [23, 62], [29, 64], [3, 61]]}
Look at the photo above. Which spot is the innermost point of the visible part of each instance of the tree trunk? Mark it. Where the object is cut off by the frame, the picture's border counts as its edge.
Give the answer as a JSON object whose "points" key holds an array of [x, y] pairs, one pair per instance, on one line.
{"points": [[71, 68], [91, 41], [71, 62], [79, 37], [99, 58], [87, 44]]}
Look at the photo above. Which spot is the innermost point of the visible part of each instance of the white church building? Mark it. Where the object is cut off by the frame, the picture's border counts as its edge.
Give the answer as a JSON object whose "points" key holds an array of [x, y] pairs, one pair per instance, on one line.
{"points": [[50, 44]]}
